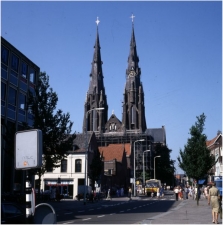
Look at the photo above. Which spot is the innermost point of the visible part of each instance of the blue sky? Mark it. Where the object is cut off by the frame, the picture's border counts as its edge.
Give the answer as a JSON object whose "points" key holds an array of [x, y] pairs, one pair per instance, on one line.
{"points": [[179, 45]]}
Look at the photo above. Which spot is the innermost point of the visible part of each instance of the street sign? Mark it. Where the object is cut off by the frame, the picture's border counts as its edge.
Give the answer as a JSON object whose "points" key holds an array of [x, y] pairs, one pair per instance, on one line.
{"points": [[132, 180], [28, 149]]}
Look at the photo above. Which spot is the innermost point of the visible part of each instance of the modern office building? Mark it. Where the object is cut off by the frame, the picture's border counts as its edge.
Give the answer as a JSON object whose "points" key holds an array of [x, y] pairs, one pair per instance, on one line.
{"points": [[18, 80]]}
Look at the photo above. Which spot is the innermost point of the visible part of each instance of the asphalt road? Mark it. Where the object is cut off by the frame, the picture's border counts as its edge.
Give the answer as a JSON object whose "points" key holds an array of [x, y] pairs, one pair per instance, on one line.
{"points": [[115, 211]]}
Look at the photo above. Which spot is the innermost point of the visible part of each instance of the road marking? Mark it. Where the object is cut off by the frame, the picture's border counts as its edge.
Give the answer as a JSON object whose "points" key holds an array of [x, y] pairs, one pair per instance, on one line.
{"points": [[87, 219], [128, 209], [135, 208], [121, 211], [101, 216]]}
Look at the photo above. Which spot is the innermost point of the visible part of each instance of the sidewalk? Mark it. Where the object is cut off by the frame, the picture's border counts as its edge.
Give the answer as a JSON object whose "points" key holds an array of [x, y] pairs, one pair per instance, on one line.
{"points": [[187, 212]]}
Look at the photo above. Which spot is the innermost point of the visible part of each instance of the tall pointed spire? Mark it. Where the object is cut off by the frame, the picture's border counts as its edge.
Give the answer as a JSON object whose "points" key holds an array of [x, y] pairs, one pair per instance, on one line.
{"points": [[133, 58], [96, 96], [133, 107]]}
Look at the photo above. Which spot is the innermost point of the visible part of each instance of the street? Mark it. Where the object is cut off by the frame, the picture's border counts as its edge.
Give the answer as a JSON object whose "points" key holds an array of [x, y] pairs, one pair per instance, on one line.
{"points": [[115, 211]]}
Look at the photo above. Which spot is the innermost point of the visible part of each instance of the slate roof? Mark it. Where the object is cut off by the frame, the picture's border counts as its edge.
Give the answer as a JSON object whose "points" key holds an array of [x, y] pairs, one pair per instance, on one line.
{"points": [[80, 141], [158, 135], [115, 151]]}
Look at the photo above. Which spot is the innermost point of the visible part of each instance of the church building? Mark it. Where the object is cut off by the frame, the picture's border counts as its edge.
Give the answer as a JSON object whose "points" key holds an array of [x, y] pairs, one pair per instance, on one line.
{"points": [[123, 138]]}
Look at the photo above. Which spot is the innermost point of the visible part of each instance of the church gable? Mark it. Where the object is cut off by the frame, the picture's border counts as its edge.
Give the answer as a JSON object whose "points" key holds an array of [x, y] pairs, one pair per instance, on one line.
{"points": [[113, 124]]}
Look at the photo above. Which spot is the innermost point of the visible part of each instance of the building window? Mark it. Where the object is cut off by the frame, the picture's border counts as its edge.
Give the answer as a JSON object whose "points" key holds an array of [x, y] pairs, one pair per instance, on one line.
{"points": [[4, 71], [3, 97], [14, 78], [64, 166], [23, 85], [32, 75], [78, 165], [14, 63], [22, 101], [5, 55], [24, 70], [12, 96], [30, 119], [3, 91], [32, 91]]}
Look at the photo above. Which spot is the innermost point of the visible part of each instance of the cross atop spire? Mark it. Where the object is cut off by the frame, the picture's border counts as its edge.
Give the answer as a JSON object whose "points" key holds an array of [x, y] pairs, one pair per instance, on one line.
{"points": [[97, 21], [132, 17]]}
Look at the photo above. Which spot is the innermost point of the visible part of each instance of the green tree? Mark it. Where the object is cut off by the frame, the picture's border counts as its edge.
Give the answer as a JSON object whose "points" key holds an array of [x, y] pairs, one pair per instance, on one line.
{"points": [[54, 124], [96, 167], [164, 165], [195, 159]]}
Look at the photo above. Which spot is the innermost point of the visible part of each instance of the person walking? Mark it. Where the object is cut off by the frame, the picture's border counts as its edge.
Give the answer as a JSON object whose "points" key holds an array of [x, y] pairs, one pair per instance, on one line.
{"points": [[176, 191], [108, 196], [158, 192], [130, 193], [213, 197]]}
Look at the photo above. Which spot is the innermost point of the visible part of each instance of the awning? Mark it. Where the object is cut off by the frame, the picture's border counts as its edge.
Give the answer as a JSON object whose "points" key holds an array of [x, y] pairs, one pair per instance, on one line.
{"points": [[201, 181]]}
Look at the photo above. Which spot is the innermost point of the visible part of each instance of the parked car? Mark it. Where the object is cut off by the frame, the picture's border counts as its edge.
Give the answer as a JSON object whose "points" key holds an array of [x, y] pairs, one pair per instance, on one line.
{"points": [[12, 213]]}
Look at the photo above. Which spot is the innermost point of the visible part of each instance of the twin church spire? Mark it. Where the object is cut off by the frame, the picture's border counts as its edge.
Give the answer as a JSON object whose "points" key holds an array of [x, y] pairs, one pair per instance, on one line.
{"points": [[133, 117]]}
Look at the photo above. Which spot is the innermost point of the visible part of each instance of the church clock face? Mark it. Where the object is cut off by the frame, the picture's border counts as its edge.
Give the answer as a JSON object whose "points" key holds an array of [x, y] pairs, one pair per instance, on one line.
{"points": [[132, 73]]}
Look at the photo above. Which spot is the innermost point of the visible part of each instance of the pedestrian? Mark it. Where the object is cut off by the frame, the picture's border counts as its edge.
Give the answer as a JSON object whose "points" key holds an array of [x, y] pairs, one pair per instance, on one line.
{"points": [[161, 192], [176, 191], [186, 191], [213, 198], [108, 196], [122, 191], [179, 193], [130, 193], [158, 192], [206, 192]]}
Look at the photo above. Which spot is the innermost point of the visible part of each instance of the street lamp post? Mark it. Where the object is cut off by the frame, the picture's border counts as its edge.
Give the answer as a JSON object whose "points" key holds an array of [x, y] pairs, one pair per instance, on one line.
{"points": [[155, 166], [143, 166], [86, 151], [135, 166]]}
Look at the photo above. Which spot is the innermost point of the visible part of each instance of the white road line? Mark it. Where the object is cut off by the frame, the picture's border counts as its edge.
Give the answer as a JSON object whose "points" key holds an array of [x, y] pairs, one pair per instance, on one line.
{"points": [[87, 219], [121, 211], [128, 209], [135, 208], [101, 216]]}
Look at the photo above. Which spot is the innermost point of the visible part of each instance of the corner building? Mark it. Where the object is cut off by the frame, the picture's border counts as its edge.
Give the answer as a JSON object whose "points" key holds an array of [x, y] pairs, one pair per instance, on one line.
{"points": [[19, 76]]}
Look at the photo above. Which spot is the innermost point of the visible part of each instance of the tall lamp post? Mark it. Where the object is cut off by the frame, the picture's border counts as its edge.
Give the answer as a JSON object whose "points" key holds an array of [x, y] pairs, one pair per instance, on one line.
{"points": [[155, 166], [143, 166], [86, 151], [135, 166]]}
